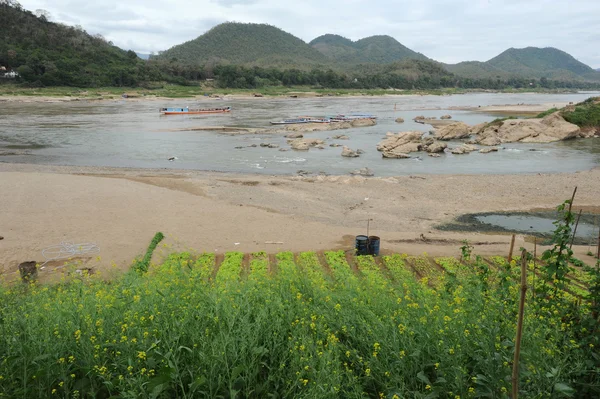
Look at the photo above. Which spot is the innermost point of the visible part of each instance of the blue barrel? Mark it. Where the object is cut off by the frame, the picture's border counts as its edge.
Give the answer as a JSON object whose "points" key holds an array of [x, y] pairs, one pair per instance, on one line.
{"points": [[362, 245], [373, 245]]}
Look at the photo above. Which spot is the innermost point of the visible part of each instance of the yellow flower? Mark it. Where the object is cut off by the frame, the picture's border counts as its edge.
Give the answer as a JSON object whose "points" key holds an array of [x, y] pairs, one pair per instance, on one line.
{"points": [[54, 391], [471, 390], [428, 387], [368, 372], [451, 351], [60, 384]]}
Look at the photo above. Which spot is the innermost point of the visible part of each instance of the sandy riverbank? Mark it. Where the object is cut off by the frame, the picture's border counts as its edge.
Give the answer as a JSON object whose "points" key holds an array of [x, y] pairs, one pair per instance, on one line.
{"points": [[121, 209]]}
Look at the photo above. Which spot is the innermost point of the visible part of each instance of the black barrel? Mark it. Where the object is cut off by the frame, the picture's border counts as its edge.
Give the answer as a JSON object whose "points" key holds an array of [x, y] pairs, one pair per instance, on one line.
{"points": [[362, 245], [373, 245]]}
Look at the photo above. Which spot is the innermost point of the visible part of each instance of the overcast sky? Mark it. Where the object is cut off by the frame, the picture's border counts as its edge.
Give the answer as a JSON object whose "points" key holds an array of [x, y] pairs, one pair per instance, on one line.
{"points": [[446, 30]]}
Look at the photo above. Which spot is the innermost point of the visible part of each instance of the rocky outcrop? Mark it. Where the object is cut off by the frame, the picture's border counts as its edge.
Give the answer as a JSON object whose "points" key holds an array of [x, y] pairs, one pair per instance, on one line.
{"points": [[305, 144], [294, 135], [488, 150], [402, 142], [341, 137], [363, 122], [347, 152], [446, 117], [434, 155], [399, 120], [363, 172], [454, 131], [464, 149], [476, 129], [436, 147], [394, 154], [546, 130]]}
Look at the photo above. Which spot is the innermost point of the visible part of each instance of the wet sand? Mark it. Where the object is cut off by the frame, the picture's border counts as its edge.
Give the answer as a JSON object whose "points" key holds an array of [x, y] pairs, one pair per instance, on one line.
{"points": [[121, 209]]}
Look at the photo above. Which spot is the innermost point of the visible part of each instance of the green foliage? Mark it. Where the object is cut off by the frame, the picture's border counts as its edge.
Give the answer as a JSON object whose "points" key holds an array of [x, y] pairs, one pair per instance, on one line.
{"points": [[557, 258], [546, 113], [141, 265], [175, 332], [585, 114]]}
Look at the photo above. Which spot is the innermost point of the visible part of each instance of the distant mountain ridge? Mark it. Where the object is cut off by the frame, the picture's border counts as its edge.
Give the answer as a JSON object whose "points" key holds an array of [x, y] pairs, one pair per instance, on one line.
{"points": [[246, 44], [268, 46], [530, 62], [380, 49]]}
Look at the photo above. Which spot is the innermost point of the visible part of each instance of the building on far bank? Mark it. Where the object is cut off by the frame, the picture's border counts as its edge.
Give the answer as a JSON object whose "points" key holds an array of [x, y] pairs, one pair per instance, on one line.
{"points": [[9, 74]]}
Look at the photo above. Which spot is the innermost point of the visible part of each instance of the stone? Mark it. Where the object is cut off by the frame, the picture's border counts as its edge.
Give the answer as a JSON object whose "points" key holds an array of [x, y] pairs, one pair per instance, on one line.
{"points": [[363, 172], [294, 135], [347, 152], [335, 145], [394, 155], [264, 144], [305, 144], [535, 130], [436, 147], [341, 137], [363, 122], [273, 145], [399, 120], [435, 155], [464, 149], [454, 131], [284, 149], [402, 139], [488, 150], [446, 117]]}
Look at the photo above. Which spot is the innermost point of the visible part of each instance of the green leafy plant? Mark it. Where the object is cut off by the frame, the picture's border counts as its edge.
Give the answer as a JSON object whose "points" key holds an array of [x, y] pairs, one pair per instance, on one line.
{"points": [[557, 258], [142, 265]]}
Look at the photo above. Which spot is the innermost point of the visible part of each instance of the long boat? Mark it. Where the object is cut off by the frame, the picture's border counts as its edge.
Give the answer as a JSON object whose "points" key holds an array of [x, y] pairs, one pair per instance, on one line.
{"points": [[194, 111], [351, 117], [301, 120]]}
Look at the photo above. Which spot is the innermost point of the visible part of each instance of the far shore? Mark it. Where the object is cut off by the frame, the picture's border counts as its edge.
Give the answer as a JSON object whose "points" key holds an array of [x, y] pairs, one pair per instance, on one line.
{"points": [[121, 209], [11, 93]]}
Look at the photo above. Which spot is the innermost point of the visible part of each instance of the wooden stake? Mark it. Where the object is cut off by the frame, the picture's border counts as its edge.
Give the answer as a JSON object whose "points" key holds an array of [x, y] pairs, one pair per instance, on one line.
{"points": [[575, 229], [598, 253], [515, 372], [572, 199], [534, 264], [512, 246]]}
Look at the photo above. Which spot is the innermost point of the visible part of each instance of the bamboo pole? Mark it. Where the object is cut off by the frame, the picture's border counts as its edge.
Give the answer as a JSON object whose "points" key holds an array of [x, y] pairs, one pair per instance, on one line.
{"points": [[572, 199], [534, 264], [515, 371], [598, 253], [575, 229], [512, 247]]}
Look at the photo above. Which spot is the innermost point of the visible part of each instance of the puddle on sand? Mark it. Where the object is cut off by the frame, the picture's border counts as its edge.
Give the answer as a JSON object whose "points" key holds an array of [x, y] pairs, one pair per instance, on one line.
{"points": [[539, 224]]}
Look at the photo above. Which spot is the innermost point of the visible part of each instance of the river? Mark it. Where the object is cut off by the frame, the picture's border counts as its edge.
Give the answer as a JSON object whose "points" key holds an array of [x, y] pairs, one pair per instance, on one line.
{"points": [[125, 133]]}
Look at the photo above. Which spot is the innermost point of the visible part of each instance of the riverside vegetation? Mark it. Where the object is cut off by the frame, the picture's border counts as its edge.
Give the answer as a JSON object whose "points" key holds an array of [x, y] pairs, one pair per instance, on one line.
{"points": [[307, 325]]}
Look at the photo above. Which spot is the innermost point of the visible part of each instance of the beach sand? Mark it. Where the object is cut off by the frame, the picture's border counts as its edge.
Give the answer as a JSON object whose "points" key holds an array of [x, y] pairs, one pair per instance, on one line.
{"points": [[121, 209]]}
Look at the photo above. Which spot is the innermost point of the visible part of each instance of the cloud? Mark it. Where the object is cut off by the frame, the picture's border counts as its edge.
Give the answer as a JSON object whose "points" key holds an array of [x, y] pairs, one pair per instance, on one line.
{"points": [[446, 30]]}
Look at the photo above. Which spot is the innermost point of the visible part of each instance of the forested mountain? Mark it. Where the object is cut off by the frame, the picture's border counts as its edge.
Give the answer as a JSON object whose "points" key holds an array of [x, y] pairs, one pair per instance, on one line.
{"points": [[256, 55], [246, 44], [375, 49], [54, 54], [530, 62]]}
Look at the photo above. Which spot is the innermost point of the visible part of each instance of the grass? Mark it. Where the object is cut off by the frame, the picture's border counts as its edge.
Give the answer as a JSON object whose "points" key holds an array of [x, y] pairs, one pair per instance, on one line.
{"points": [[585, 114], [302, 326]]}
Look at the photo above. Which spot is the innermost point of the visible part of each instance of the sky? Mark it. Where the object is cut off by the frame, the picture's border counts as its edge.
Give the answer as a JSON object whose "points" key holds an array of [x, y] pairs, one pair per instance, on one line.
{"points": [[446, 30]]}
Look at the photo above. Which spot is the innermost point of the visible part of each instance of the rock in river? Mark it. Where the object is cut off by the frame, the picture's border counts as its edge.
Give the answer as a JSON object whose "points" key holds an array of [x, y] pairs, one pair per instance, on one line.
{"points": [[458, 130], [363, 172], [546, 130], [347, 152], [399, 120]]}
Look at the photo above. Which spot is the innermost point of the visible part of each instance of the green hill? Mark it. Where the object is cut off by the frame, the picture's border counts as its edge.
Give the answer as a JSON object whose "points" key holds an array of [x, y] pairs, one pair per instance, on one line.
{"points": [[46, 53], [375, 49], [476, 70], [246, 44], [530, 62]]}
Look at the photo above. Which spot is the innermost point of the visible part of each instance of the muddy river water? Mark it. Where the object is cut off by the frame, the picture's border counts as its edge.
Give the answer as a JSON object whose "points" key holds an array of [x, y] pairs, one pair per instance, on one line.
{"points": [[125, 133]]}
